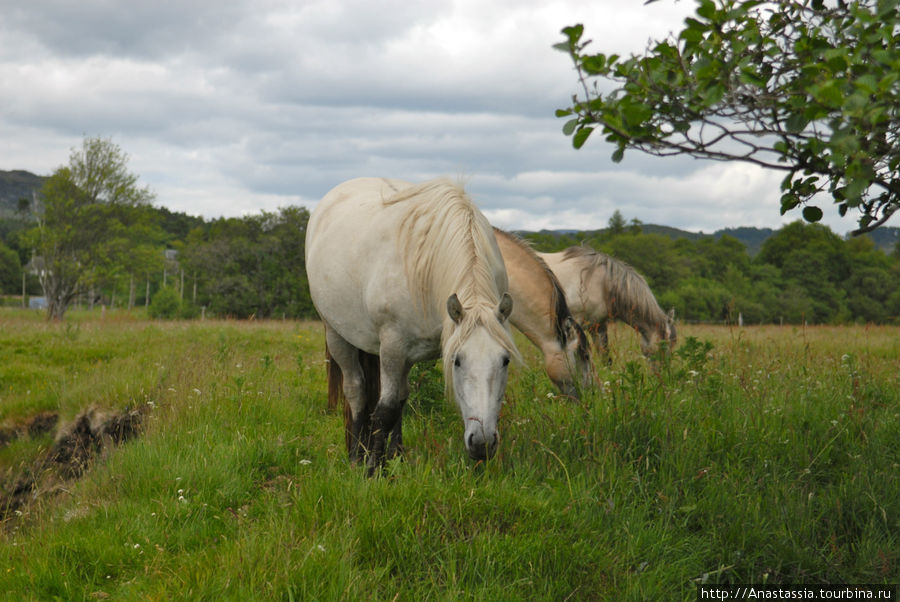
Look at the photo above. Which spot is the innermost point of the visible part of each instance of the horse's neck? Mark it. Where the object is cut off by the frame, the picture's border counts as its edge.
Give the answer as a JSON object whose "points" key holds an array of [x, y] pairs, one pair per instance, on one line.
{"points": [[532, 290]]}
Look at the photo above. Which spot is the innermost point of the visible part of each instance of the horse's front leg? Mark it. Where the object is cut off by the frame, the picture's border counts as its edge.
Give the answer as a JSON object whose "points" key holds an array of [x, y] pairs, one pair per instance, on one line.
{"points": [[601, 341], [386, 420]]}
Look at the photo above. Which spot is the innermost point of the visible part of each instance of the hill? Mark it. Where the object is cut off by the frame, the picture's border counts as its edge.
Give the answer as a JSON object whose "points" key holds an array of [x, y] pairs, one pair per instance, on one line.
{"points": [[15, 185], [885, 237]]}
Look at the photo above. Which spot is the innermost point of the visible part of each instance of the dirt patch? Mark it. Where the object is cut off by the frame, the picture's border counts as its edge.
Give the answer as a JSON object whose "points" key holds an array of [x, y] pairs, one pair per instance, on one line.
{"points": [[91, 433], [34, 426]]}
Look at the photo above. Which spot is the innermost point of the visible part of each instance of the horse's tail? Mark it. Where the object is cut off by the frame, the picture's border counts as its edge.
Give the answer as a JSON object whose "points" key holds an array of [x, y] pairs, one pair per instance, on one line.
{"points": [[335, 381]]}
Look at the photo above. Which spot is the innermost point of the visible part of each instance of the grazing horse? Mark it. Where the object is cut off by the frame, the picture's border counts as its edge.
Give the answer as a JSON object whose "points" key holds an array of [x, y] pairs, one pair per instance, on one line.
{"points": [[541, 313], [401, 273], [599, 288]]}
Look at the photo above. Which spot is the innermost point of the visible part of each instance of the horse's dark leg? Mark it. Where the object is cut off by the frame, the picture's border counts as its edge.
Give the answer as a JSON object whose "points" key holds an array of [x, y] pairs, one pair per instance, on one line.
{"points": [[387, 417], [384, 419], [601, 341], [395, 448]]}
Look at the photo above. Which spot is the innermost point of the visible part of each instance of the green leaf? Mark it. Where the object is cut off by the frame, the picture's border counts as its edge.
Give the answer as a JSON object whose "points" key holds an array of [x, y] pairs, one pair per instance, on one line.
{"points": [[581, 137], [618, 154], [707, 9], [569, 127], [812, 213], [788, 202], [796, 123]]}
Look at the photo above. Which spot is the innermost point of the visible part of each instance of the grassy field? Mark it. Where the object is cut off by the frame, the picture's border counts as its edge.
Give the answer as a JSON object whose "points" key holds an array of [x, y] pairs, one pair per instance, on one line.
{"points": [[755, 455]]}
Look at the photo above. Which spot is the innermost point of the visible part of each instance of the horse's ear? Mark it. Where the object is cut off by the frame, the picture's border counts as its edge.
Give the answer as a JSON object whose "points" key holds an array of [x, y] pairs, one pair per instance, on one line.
{"points": [[455, 308], [505, 307], [671, 315]]}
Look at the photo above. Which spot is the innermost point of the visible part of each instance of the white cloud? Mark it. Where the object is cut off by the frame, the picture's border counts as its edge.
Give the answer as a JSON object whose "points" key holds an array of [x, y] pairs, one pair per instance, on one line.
{"points": [[226, 108]]}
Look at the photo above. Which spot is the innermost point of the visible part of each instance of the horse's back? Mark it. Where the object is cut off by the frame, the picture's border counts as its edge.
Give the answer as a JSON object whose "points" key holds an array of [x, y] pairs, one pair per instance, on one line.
{"points": [[352, 262]]}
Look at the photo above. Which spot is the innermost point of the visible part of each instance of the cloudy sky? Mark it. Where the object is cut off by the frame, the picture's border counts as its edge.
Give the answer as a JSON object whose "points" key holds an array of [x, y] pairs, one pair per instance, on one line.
{"points": [[230, 108]]}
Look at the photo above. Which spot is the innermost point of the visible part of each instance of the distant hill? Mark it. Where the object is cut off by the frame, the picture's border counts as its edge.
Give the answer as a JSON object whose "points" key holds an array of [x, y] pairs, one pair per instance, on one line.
{"points": [[885, 237], [15, 185]]}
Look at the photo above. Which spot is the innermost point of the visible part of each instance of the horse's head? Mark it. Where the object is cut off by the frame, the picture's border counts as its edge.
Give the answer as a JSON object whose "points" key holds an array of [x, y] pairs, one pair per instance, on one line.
{"points": [[662, 332], [570, 369], [479, 351]]}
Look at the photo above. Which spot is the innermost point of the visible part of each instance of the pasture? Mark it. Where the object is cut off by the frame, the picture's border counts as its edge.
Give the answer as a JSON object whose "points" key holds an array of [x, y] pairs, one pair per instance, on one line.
{"points": [[754, 455]]}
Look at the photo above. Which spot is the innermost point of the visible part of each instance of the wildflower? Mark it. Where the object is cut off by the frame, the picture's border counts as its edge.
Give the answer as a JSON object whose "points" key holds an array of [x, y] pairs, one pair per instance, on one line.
{"points": [[196, 391], [320, 547], [305, 462]]}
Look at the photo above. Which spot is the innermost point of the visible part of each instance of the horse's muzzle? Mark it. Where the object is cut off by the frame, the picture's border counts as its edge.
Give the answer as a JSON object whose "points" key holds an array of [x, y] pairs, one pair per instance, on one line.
{"points": [[481, 448]]}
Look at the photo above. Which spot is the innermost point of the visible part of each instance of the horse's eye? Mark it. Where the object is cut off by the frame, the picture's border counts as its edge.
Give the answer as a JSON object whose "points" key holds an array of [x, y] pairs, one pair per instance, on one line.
{"points": [[506, 360], [456, 361]]}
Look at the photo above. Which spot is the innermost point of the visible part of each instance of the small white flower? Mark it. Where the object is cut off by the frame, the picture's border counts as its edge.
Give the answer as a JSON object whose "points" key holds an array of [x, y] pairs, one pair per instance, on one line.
{"points": [[137, 546], [320, 547], [196, 391], [180, 491], [181, 499], [305, 462]]}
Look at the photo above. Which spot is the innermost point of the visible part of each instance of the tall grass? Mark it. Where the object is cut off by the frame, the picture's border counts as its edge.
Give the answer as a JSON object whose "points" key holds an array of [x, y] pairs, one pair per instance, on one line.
{"points": [[751, 455]]}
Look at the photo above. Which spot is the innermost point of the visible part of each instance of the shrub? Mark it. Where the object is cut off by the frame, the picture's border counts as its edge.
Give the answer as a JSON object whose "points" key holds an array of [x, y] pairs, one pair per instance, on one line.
{"points": [[165, 303]]}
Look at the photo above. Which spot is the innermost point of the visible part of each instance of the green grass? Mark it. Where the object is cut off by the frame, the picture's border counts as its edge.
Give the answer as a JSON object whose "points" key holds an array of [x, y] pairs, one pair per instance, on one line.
{"points": [[755, 455]]}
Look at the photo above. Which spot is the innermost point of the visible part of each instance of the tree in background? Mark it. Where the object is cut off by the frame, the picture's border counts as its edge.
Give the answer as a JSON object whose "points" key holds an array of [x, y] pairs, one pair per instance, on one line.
{"points": [[805, 87], [10, 270], [252, 266], [80, 214]]}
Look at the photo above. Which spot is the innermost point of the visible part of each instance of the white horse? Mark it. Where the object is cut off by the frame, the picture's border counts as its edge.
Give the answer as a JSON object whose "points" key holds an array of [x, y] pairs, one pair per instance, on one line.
{"points": [[409, 273], [600, 288]]}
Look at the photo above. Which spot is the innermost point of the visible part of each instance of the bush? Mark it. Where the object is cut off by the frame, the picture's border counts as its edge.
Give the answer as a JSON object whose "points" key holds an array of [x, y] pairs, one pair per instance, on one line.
{"points": [[165, 303]]}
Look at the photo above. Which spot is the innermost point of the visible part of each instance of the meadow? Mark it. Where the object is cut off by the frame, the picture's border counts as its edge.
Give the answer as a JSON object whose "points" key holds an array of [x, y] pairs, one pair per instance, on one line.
{"points": [[751, 455]]}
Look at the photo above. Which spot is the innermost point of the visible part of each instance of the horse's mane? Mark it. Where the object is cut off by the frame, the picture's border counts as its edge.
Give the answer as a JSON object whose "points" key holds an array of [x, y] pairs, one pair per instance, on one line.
{"points": [[557, 296], [449, 248], [626, 292]]}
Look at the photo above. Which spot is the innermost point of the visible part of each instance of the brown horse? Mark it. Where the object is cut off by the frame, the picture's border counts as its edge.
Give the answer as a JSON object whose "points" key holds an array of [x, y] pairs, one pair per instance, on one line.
{"points": [[599, 288], [540, 311]]}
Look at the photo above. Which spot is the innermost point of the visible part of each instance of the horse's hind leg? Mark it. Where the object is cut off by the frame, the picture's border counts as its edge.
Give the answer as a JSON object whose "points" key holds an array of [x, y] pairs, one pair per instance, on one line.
{"points": [[356, 416]]}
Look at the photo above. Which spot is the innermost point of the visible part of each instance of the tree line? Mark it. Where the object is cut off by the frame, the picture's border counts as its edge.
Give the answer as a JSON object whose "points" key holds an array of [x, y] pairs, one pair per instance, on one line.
{"points": [[92, 237], [803, 273]]}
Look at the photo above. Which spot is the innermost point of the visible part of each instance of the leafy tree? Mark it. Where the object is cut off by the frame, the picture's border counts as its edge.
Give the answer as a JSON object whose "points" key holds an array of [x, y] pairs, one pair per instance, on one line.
{"points": [[616, 223], [79, 217], [806, 87], [10, 270], [252, 266]]}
